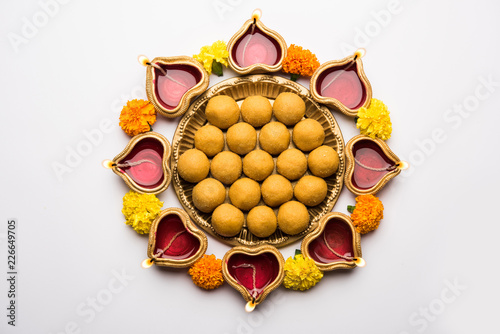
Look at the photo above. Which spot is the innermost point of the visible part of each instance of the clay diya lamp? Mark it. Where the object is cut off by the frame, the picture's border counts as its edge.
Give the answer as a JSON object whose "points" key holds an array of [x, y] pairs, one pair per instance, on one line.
{"points": [[174, 240], [342, 84], [370, 164], [254, 272], [256, 48], [334, 244], [173, 82], [144, 163]]}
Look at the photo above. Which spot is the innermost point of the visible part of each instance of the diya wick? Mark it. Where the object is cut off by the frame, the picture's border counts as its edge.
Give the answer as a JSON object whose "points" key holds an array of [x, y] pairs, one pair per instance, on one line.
{"points": [[149, 262]]}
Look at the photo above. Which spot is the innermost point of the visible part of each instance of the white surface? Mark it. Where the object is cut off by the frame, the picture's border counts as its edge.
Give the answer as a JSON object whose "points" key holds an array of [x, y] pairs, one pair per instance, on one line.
{"points": [[439, 222]]}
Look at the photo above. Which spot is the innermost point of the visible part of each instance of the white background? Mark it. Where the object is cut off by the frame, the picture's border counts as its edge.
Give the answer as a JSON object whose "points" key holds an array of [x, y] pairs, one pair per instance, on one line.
{"points": [[79, 67]]}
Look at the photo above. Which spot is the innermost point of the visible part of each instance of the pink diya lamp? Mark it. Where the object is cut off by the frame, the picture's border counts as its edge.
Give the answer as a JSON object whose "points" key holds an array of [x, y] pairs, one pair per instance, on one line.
{"points": [[342, 84], [174, 241], [144, 163], [334, 244], [370, 164], [256, 48], [254, 272], [173, 82]]}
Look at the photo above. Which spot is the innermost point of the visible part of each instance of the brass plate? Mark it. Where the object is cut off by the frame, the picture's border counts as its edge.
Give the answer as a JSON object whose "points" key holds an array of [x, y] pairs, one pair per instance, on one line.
{"points": [[239, 88]]}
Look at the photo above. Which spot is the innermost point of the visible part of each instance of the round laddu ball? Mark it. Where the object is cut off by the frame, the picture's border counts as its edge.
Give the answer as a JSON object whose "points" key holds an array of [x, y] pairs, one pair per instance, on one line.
{"points": [[193, 165], [276, 190], [308, 134], [310, 190], [256, 110], [209, 139], [293, 217], [226, 167], [222, 111], [289, 108], [241, 138], [261, 221], [291, 163], [208, 194], [258, 165], [323, 161], [244, 193], [274, 138], [227, 220]]}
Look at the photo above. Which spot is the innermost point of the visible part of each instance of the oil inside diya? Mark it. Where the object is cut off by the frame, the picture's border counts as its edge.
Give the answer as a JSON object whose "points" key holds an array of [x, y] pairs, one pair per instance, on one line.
{"points": [[343, 83], [255, 47], [370, 165], [254, 272], [335, 244], [174, 241], [172, 81], [143, 164]]}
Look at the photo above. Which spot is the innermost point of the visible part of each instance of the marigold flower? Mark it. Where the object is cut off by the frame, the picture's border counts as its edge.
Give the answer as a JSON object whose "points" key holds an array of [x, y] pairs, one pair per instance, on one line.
{"points": [[137, 117], [367, 214], [374, 121], [211, 56], [207, 272], [140, 210], [299, 62], [301, 273]]}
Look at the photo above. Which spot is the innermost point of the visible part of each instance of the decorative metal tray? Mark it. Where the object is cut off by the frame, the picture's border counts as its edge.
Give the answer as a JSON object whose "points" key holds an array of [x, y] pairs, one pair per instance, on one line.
{"points": [[239, 88]]}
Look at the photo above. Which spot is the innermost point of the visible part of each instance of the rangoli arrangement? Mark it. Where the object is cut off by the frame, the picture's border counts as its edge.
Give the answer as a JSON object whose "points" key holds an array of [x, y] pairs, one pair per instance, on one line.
{"points": [[257, 161]]}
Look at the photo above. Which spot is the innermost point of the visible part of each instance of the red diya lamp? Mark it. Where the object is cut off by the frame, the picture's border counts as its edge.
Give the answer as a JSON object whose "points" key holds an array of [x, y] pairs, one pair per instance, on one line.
{"points": [[370, 164], [254, 272], [174, 241], [144, 163], [256, 48], [342, 84], [173, 82], [334, 244]]}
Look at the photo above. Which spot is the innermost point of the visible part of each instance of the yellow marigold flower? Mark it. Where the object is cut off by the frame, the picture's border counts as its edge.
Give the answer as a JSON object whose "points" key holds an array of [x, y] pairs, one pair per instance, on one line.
{"points": [[374, 121], [137, 117], [209, 53], [367, 214], [207, 272], [299, 62], [140, 210], [301, 273]]}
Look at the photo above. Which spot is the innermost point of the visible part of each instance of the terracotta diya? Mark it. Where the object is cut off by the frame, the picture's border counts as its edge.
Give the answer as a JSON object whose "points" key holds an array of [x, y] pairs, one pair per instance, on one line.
{"points": [[256, 48], [342, 84], [173, 82], [254, 272], [144, 163], [174, 241], [370, 165], [334, 244]]}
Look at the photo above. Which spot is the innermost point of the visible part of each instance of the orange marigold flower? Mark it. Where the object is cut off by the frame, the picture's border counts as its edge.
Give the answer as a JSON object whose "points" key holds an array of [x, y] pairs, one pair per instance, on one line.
{"points": [[367, 214], [207, 272], [300, 62], [137, 117]]}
